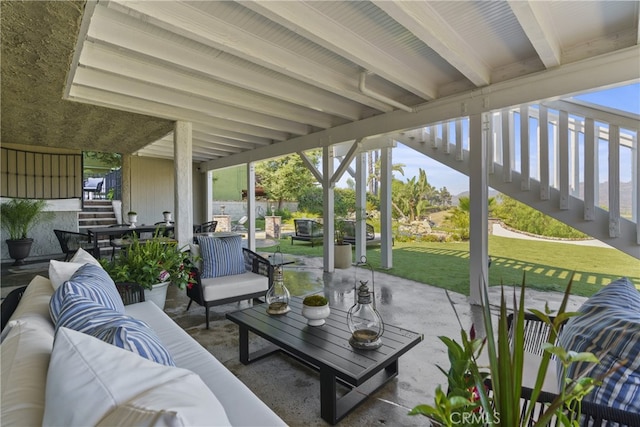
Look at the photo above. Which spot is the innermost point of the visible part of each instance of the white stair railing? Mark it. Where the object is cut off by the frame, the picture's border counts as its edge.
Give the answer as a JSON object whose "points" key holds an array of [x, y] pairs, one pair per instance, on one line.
{"points": [[558, 151]]}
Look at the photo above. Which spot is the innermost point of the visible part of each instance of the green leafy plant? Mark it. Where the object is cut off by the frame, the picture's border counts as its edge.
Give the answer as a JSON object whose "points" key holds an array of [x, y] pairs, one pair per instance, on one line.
{"points": [[315, 301], [151, 261], [19, 216], [468, 393]]}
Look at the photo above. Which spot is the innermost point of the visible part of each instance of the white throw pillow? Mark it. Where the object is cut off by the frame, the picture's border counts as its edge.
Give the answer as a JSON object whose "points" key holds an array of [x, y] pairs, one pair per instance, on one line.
{"points": [[111, 386], [83, 257], [60, 272]]}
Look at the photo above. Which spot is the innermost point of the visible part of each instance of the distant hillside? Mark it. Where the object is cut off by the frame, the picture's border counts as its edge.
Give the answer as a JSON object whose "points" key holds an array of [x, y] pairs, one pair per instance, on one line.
{"points": [[603, 196]]}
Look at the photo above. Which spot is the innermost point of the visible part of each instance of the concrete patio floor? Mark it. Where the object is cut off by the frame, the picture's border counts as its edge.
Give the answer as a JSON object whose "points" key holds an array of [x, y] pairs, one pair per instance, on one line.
{"points": [[291, 389]]}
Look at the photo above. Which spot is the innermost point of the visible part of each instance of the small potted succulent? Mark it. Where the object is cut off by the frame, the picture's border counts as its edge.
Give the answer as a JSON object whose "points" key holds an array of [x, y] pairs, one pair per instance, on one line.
{"points": [[315, 308]]}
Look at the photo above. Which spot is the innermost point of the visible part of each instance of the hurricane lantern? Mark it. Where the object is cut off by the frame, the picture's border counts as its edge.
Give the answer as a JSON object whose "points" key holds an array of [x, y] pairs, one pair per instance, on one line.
{"points": [[278, 295], [363, 319]]}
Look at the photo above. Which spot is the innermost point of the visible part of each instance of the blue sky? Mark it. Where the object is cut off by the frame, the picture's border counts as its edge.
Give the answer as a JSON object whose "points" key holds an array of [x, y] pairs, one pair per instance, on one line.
{"points": [[626, 98]]}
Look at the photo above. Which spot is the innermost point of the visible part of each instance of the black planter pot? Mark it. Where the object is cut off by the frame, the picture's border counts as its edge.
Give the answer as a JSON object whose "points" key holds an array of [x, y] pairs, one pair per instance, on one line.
{"points": [[19, 249]]}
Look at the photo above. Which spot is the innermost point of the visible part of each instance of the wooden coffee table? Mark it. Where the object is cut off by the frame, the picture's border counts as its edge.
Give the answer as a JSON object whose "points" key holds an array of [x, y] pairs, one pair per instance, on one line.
{"points": [[326, 348]]}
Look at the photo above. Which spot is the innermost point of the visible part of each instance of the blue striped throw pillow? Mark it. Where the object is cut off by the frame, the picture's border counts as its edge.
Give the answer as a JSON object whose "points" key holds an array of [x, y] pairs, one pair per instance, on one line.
{"points": [[221, 256], [92, 282], [85, 315], [609, 327]]}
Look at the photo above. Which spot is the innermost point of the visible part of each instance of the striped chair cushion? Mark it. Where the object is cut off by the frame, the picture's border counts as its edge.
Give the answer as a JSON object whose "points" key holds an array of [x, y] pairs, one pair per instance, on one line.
{"points": [[92, 282], [609, 327], [85, 315], [221, 256]]}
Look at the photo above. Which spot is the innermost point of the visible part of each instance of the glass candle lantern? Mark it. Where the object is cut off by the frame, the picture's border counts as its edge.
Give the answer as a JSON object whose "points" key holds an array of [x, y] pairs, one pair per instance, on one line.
{"points": [[278, 295], [363, 319]]}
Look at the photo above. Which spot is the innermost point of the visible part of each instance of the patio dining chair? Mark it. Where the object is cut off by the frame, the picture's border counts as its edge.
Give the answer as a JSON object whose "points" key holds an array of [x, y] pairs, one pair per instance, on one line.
{"points": [[71, 241], [206, 227]]}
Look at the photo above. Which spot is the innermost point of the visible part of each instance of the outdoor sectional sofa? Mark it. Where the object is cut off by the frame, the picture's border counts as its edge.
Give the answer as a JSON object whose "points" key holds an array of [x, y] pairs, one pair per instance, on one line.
{"points": [[58, 375]]}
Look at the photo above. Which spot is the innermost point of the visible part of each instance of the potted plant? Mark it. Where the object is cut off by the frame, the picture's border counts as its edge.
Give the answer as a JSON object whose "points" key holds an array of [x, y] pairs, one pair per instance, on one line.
{"points": [[153, 264], [315, 308], [19, 216], [133, 218], [342, 251], [468, 394]]}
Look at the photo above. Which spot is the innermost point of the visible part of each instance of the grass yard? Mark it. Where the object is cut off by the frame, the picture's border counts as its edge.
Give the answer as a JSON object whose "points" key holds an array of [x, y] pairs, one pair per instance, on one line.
{"points": [[549, 265]]}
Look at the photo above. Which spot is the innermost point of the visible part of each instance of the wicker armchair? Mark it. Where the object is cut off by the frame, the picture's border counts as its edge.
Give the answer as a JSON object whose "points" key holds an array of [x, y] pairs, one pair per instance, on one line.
{"points": [[70, 242]]}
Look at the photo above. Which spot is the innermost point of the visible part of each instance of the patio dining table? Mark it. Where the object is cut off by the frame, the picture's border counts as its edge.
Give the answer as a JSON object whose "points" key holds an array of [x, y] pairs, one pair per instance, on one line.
{"points": [[97, 232]]}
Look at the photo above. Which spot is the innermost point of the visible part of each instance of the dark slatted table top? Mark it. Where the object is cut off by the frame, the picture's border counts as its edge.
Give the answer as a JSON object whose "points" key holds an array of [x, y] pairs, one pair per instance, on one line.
{"points": [[327, 346]]}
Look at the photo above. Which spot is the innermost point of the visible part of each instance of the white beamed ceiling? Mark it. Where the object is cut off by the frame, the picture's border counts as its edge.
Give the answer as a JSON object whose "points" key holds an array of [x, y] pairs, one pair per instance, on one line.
{"points": [[266, 77]]}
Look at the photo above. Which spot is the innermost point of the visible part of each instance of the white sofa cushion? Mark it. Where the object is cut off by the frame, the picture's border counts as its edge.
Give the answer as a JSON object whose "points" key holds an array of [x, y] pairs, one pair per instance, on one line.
{"points": [[89, 281], [34, 304], [243, 408], [217, 288], [24, 358], [60, 272], [100, 378]]}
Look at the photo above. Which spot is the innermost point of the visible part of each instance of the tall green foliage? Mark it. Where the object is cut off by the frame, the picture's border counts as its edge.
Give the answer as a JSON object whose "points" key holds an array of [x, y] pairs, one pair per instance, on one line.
{"points": [[19, 216], [524, 218], [286, 178], [412, 198]]}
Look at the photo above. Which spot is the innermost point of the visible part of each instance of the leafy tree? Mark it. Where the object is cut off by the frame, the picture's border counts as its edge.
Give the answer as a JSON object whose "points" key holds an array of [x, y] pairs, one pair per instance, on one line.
{"points": [[412, 198], [460, 215], [375, 167], [286, 178]]}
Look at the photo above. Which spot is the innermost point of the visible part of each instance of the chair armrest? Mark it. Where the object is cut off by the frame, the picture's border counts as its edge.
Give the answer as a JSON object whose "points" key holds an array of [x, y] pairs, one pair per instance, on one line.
{"points": [[10, 303], [258, 264], [130, 293]]}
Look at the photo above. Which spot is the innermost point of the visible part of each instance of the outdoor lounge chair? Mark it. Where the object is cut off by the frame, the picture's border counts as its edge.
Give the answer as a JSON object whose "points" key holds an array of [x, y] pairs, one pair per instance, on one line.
{"points": [[307, 230], [349, 228]]}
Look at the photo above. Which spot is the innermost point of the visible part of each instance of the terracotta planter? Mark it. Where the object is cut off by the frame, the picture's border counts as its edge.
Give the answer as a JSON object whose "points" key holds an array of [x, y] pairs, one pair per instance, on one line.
{"points": [[315, 315], [158, 294], [19, 249], [342, 256]]}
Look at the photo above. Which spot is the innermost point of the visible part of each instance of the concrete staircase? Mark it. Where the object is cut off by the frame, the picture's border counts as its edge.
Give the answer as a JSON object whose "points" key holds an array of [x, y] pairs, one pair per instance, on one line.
{"points": [[96, 213]]}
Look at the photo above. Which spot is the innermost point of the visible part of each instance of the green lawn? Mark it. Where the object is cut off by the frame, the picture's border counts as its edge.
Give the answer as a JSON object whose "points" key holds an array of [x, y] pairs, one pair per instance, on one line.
{"points": [[548, 264]]}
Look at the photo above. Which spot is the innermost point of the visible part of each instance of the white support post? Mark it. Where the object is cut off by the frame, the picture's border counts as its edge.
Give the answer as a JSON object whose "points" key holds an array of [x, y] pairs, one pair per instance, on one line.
{"points": [[635, 179], [328, 208], [507, 147], [590, 169], [208, 207], [446, 148], [478, 210], [492, 138], [126, 185], [361, 206], [543, 124], [251, 206], [433, 136], [525, 174], [386, 254], [183, 175], [459, 148], [563, 158], [614, 181]]}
